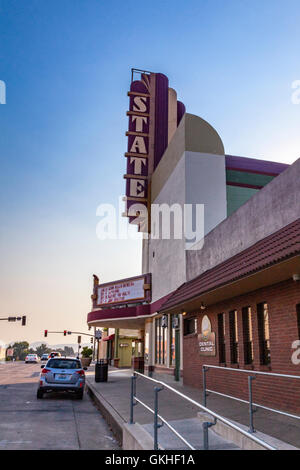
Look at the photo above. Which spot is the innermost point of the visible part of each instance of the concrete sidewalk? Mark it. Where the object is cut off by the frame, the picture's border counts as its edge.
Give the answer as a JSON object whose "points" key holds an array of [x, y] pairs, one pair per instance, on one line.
{"points": [[183, 415]]}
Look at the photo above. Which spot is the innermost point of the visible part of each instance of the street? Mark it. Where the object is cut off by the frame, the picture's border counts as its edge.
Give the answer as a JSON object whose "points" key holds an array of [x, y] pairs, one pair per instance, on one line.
{"points": [[58, 422]]}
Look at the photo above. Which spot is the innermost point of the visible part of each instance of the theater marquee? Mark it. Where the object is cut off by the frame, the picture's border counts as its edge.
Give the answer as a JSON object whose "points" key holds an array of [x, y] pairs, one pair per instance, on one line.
{"points": [[125, 291]]}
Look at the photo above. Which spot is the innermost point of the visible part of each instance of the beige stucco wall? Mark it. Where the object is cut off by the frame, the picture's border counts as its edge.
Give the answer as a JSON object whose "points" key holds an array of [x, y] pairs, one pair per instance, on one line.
{"points": [[193, 134], [273, 207], [188, 173]]}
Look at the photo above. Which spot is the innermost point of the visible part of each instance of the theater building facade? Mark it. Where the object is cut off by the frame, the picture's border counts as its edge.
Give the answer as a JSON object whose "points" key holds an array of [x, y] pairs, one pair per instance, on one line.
{"points": [[229, 298]]}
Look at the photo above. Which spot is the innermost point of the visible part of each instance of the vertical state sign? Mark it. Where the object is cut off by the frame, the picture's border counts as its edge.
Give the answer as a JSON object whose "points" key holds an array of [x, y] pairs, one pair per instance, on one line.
{"points": [[138, 154], [147, 134]]}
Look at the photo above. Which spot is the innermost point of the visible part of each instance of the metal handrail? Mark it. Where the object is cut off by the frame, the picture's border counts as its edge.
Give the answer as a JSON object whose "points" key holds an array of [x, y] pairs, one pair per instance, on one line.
{"points": [[166, 423], [290, 415], [195, 403], [251, 376], [255, 372]]}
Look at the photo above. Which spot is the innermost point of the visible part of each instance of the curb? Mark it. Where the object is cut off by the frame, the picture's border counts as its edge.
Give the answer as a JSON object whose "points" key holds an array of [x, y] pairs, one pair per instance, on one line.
{"points": [[112, 417]]}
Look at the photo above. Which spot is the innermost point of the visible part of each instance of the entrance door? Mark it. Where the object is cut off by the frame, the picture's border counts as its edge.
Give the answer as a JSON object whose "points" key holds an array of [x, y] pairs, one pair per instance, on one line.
{"points": [[125, 353]]}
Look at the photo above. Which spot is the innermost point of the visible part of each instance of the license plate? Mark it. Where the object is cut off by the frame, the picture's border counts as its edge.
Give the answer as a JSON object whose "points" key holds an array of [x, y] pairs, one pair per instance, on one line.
{"points": [[62, 376]]}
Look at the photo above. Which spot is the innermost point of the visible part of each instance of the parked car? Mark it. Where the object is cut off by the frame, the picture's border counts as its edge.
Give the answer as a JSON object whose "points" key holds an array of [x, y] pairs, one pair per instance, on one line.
{"points": [[32, 358], [62, 374], [45, 357], [54, 354]]}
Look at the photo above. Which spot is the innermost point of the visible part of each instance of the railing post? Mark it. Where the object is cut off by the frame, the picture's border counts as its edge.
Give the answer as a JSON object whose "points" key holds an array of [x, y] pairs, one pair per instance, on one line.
{"points": [[132, 395], [204, 369], [205, 436], [206, 425], [156, 425], [251, 410]]}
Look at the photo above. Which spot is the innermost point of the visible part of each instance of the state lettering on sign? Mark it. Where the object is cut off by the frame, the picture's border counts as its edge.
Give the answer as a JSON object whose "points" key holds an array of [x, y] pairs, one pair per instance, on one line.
{"points": [[137, 188], [138, 149]]}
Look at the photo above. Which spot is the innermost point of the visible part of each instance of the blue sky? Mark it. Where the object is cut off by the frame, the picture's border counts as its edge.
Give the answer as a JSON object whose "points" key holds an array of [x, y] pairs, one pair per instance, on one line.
{"points": [[66, 65]]}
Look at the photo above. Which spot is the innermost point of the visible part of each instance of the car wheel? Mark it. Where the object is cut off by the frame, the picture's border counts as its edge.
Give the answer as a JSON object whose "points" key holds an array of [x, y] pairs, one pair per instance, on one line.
{"points": [[80, 395], [39, 394]]}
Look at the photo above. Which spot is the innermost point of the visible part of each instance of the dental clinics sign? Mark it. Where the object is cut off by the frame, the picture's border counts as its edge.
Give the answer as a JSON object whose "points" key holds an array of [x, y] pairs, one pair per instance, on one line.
{"points": [[207, 338]]}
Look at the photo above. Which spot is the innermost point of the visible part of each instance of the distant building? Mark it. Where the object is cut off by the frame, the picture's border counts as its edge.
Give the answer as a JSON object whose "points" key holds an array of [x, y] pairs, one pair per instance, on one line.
{"points": [[2, 351]]}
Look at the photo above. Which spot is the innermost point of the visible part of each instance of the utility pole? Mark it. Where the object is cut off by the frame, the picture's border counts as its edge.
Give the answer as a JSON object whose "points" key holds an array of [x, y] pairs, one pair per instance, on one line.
{"points": [[79, 344]]}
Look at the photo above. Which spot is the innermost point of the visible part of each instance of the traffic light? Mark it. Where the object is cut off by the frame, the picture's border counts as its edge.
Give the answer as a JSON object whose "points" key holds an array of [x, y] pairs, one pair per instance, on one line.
{"points": [[45, 333], [12, 318], [79, 339], [65, 332], [92, 340], [24, 320]]}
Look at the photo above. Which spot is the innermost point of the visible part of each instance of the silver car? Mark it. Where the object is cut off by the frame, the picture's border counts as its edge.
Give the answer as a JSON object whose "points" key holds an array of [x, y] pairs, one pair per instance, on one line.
{"points": [[62, 374]]}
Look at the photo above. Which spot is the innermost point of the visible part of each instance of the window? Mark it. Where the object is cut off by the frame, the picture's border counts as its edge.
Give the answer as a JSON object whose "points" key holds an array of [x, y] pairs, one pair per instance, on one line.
{"points": [[263, 333], [221, 337], [247, 335], [63, 364], [189, 326], [234, 341], [160, 342]]}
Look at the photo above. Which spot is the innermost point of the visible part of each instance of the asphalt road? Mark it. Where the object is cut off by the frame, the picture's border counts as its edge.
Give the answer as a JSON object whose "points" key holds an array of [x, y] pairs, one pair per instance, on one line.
{"points": [[57, 421]]}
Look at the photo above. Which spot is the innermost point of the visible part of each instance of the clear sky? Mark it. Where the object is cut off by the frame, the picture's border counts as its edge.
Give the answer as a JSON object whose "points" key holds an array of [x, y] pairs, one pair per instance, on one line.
{"points": [[66, 65]]}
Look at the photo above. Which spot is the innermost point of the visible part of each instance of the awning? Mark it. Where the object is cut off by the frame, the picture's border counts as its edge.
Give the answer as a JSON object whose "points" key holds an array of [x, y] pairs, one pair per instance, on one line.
{"points": [[125, 317], [108, 338]]}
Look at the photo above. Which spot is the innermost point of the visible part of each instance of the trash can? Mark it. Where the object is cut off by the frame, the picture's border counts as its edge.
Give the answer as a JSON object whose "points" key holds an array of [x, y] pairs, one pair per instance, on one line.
{"points": [[138, 364], [101, 370]]}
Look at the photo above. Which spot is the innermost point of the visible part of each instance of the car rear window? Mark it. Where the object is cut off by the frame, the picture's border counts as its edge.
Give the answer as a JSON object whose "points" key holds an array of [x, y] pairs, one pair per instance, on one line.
{"points": [[63, 364]]}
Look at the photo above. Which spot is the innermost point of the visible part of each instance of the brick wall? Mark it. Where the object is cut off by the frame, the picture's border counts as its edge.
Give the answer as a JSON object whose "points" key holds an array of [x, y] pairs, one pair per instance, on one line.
{"points": [[275, 392]]}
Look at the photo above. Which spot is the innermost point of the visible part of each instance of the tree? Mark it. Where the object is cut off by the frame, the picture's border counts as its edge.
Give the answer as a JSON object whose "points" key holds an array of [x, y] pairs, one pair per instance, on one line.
{"points": [[42, 349], [87, 352], [20, 350]]}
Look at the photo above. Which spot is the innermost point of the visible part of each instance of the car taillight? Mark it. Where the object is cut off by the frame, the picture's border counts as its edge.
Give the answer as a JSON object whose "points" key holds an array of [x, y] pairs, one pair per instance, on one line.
{"points": [[80, 372], [45, 371]]}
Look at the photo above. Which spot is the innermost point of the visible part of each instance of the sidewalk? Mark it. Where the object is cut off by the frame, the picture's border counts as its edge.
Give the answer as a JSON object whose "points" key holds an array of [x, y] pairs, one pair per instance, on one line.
{"points": [[183, 415]]}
